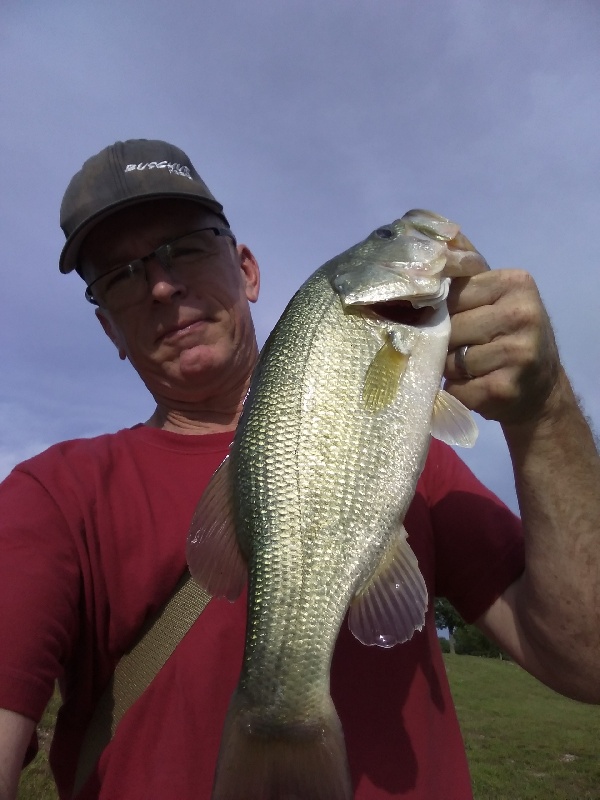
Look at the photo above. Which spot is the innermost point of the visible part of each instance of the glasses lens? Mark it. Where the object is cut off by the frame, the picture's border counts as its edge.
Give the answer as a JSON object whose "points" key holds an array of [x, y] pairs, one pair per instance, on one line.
{"points": [[182, 258], [191, 250], [121, 287]]}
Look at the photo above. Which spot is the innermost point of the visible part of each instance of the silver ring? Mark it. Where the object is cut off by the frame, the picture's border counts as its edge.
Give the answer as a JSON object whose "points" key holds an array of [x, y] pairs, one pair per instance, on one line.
{"points": [[459, 360]]}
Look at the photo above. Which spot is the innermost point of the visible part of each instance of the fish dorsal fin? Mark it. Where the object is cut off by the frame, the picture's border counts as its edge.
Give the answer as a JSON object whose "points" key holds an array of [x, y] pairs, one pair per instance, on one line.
{"points": [[452, 422], [392, 604], [383, 376], [213, 553]]}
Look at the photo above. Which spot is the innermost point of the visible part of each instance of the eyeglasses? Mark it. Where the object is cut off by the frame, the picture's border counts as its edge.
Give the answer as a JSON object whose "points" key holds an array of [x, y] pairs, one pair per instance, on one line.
{"points": [[127, 284]]}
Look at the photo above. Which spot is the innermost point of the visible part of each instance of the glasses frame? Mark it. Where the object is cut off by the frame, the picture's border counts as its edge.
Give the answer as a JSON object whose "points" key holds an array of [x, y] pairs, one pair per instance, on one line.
{"points": [[162, 254]]}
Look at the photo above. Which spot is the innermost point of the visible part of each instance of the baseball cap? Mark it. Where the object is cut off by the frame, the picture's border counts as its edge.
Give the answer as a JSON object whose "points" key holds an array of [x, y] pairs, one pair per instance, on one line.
{"points": [[123, 174]]}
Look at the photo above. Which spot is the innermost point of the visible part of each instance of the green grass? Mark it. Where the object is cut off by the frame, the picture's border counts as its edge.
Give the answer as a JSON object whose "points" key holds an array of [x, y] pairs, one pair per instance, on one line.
{"points": [[37, 782], [523, 741]]}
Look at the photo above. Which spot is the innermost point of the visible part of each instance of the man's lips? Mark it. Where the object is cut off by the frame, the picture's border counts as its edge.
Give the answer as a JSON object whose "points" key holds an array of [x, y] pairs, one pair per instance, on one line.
{"points": [[181, 329]]}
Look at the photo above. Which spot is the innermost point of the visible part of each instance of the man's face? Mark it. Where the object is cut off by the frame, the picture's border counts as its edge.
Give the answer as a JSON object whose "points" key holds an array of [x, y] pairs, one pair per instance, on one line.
{"points": [[189, 341]]}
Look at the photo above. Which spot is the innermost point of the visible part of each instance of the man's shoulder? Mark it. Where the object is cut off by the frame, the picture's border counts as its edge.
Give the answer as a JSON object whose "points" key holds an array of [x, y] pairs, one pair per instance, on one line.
{"points": [[80, 448], [72, 458], [130, 454]]}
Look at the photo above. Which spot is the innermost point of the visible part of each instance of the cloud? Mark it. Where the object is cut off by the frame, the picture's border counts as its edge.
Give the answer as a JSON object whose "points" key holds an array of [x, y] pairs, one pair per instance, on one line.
{"points": [[314, 123]]}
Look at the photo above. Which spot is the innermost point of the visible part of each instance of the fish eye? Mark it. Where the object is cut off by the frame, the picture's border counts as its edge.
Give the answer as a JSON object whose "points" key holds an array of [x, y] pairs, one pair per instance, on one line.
{"points": [[384, 233]]}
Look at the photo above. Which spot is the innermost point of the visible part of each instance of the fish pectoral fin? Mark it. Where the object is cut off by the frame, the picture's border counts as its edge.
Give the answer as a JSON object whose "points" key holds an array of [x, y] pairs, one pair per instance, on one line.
{"points": [[213, 553], [383, 377], [452, 422], [392, 605]]}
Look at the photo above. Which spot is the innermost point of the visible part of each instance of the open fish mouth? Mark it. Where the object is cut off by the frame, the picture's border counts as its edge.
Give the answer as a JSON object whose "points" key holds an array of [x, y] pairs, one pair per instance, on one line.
{"points": [[402, 312]]}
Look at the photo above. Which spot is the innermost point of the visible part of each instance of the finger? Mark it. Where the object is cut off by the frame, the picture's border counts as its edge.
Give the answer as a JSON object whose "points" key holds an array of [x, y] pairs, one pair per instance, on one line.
{"points": [[476, 326], [464, 262], [500, 307], [483, 289], [456, 367], [483, 359], [487, 396]]}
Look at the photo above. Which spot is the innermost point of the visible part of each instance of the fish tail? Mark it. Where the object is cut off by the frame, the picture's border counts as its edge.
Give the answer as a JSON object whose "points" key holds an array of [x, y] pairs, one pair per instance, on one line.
{"points": [[261, 760]]}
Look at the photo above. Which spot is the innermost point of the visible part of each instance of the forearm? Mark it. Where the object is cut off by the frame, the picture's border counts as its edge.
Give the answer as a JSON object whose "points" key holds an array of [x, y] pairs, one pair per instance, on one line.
{"points": [[557, 601], [15, 734]]}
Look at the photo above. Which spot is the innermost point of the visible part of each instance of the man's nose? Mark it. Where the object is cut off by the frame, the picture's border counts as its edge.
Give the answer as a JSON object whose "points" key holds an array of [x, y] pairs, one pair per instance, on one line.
{"points": [[163, 284]]}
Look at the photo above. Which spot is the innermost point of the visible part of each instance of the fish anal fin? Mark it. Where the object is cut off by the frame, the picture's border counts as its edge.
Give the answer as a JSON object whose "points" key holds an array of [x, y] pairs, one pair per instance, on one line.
{"points": [[260, 758], [383, 376], [452, 422], [392, 604], [213, 553]]}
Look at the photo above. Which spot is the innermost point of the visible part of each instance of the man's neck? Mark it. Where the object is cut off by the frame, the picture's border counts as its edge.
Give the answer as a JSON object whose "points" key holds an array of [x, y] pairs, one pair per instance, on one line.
{"points": [[201, 413], [194, 423]]}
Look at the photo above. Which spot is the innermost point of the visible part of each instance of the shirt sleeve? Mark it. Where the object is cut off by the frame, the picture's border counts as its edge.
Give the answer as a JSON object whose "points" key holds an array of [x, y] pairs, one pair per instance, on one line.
{"points": [[39, 593], [478, 540]]}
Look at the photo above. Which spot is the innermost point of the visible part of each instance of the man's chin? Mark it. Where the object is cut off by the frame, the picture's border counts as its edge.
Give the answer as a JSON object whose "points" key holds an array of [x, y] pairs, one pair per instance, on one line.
{"points": [[200, 360]]}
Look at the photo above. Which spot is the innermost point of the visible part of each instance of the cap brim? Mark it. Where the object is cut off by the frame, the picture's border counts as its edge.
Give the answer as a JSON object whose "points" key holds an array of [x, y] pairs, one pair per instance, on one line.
{"points": [[67, 261]]}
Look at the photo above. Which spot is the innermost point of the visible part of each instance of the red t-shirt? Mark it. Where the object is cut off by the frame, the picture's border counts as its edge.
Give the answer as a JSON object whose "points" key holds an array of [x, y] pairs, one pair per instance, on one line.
{"points": [[92, 536]]}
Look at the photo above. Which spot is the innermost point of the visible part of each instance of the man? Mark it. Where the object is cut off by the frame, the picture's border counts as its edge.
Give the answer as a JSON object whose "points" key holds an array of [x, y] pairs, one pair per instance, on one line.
{"points": [[92, 532]]}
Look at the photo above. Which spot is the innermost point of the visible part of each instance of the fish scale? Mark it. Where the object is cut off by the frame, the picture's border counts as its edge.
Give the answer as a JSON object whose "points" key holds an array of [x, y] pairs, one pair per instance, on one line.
{"points": [[331, 442]]}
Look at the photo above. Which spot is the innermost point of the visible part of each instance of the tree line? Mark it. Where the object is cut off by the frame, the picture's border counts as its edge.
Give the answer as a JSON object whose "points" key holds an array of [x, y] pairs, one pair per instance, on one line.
{"points": [[463, 639]]}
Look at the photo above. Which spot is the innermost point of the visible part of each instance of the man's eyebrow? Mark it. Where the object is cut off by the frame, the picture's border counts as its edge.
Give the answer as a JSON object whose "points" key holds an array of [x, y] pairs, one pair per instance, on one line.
{"points": [[111, 262]]}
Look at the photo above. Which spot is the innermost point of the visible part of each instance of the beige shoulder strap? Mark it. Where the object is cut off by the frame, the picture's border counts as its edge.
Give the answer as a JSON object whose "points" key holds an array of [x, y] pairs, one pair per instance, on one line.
{"points": [[136, 669]]}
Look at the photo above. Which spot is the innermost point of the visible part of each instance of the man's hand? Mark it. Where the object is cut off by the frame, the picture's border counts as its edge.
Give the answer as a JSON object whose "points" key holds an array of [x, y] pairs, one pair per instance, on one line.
{"points": [[511, 349], [548, 620]]}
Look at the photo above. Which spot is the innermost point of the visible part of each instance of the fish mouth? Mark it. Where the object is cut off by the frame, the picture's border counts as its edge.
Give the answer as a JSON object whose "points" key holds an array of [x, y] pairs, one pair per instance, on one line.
{"points": [[402, 312]]}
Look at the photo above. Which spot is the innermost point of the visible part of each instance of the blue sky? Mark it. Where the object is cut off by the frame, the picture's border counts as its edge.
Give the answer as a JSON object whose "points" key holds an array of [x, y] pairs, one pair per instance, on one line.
{"points": [[313, 123]]}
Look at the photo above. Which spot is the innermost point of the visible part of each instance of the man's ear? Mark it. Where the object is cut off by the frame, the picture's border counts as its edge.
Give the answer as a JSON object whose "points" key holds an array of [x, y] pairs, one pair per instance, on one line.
{"points": [[112, 333], [249, 267]]}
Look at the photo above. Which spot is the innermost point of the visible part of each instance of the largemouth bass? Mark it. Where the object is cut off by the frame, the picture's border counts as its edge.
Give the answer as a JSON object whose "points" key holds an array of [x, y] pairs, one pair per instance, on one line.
{"points": [[310, 502]]}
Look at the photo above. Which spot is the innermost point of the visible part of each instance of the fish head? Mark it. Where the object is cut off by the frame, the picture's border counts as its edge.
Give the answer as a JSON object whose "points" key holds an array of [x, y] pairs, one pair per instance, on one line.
{"points": [[405, 264]]}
